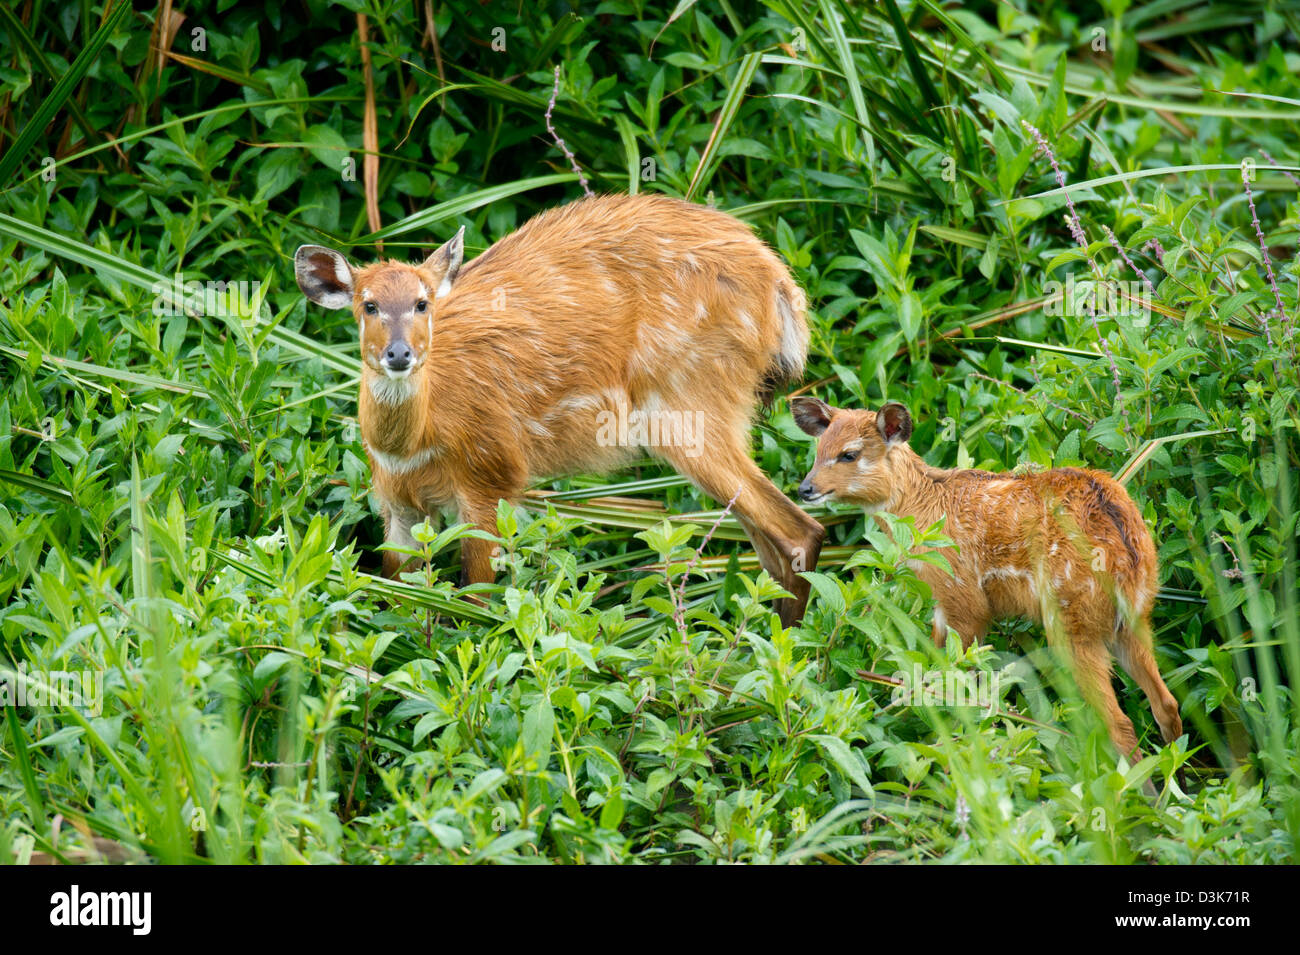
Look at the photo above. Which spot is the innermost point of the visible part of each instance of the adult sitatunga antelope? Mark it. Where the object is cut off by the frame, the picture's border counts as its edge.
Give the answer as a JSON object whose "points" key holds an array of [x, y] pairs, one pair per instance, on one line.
{"points": [[1066, 547], [669, 319]]}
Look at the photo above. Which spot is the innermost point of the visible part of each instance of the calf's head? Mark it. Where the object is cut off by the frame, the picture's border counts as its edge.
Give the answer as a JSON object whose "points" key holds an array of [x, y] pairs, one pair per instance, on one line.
{"points": [[394, 303], [853, 451]]}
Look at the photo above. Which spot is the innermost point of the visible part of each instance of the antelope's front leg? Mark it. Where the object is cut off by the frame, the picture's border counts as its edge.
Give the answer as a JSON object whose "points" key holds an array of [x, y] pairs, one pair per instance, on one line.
{"points": [[398, 521], [475, 553]]}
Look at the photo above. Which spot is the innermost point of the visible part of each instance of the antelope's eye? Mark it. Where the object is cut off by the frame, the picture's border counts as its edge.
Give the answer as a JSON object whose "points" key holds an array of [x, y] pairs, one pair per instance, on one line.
{"points": [[422, 306], [848, 456], [371, 308]]}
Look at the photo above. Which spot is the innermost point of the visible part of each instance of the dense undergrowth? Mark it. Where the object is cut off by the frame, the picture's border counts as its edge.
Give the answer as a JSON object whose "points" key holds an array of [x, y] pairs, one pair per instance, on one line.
{"points": [[184, 512]]}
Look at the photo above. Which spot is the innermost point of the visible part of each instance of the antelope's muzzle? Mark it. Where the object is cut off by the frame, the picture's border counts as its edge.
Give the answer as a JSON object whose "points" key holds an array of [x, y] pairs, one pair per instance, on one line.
{"points": [[396, 357]]}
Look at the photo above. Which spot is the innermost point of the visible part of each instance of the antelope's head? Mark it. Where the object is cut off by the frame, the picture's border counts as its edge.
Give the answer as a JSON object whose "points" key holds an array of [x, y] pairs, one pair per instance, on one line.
{"points": [[853, 447], [394, 302]]}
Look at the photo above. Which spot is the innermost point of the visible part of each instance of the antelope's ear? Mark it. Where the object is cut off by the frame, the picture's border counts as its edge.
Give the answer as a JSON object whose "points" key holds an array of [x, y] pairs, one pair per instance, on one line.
{"points": [[324, 276], [811, 414], [445, 263], [894, 423]]}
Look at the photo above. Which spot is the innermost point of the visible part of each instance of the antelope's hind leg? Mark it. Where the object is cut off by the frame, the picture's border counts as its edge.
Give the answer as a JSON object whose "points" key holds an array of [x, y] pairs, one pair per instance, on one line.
{"points": [[1133, 650], [1083, 631], [787, 539]]}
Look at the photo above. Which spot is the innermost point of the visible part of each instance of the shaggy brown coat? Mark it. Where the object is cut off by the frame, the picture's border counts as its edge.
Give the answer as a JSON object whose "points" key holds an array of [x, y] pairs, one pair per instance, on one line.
{"points": [[643, 307]]}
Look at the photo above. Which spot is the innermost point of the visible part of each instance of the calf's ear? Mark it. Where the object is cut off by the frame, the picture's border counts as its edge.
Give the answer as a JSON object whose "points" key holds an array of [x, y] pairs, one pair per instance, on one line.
{"points": [[894, 423], [812, 415]]}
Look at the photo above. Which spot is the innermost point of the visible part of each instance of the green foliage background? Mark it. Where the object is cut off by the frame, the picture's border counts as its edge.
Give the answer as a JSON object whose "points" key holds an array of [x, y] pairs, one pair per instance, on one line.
{"points": [[183, 501]]}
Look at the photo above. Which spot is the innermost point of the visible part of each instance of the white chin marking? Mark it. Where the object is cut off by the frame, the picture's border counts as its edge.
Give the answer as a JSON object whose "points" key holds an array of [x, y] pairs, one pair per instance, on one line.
{"points": [[388, 389]]}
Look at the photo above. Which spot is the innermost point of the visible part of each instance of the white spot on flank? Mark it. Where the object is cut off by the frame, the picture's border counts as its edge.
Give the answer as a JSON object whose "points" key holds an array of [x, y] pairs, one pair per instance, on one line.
{"points": [[1009, 573], [576, 403], [654, 342]]}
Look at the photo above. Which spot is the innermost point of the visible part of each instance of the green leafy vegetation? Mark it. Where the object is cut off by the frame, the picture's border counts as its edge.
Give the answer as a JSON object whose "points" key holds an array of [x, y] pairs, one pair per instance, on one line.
{"points": [[1061, 234]]}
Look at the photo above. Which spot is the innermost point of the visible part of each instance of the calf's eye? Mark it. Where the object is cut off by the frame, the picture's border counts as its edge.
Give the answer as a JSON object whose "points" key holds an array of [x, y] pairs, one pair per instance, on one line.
{"points": [[848, 456], [371, 308], [422, 306]]}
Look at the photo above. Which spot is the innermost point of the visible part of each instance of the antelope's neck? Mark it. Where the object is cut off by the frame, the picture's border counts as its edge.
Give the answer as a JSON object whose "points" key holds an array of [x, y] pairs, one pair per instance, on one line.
{"points": [[920, 490], [394, 415]]}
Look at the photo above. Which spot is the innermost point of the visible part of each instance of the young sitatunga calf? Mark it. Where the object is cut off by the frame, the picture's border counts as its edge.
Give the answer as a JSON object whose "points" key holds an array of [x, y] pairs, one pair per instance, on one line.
{"points": [[609, 327], [1065, 547]]}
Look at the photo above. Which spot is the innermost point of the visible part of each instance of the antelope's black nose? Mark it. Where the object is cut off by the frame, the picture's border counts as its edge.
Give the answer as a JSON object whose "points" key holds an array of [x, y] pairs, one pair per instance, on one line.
{"points": [[806, 490], [397, 357]]}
